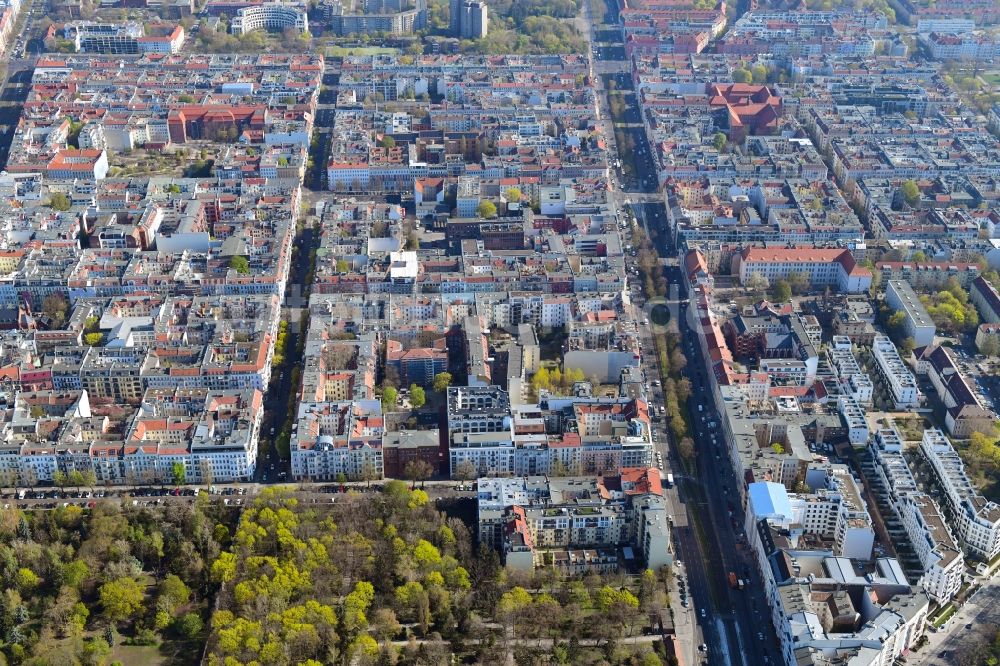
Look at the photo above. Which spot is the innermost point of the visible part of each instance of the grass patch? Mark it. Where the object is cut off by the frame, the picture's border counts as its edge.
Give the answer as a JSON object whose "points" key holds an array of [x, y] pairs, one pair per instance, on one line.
{"points": [[168, 653], [944, 615], [340, 51], [140, 654]]}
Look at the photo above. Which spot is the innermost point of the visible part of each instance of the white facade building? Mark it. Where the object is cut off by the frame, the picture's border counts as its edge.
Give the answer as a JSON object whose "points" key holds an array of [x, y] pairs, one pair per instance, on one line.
{"points": [[916, 321], [977, 520], [900, 381]]}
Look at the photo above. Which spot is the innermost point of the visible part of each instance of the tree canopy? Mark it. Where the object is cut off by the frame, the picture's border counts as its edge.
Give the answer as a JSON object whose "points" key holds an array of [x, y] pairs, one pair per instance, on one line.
{"points": [[240, 264], [442, 381], [487, 209], [911, 192]]}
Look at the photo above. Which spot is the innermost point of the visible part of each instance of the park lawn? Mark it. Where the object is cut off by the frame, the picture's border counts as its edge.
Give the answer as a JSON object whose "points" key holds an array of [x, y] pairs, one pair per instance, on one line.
{"points": [[165, 654], [992, 77], [139, 654]]}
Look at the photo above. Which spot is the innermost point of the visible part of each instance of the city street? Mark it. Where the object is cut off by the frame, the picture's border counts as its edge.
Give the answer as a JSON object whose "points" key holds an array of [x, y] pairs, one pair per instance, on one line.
{"points": [[271, 468], [713, 492], [732, 625], [979, 616]]}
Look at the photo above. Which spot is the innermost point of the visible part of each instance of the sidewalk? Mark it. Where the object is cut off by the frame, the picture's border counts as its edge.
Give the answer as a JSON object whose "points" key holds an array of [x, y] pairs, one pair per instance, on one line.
{"points": [[982, 610], [685, 627]]}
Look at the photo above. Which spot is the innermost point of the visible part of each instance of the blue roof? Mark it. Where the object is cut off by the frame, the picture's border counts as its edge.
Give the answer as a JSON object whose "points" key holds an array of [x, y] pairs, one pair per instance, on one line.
{"points": [[769, 499]]}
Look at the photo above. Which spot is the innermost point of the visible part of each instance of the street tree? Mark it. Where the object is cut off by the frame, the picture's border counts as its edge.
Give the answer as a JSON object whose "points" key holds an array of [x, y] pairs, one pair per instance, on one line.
{"points": [[178, 473], [417, 470], [465, 471]]}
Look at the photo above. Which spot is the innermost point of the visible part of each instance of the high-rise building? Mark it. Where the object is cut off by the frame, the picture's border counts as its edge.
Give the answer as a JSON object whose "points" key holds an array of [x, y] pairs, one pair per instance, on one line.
{"points": [[455, 17], [472, 19]]}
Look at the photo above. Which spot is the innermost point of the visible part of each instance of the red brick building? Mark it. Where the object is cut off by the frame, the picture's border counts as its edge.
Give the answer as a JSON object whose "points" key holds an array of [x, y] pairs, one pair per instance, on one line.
{"points": [[748, 109], [213, 121]]}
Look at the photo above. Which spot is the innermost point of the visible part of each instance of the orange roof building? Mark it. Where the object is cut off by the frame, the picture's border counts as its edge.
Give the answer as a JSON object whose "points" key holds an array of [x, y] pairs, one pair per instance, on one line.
{"points": [[826, 267]]}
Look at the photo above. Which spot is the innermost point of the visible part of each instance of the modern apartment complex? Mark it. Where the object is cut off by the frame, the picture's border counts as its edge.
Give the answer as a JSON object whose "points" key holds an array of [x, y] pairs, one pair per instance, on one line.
{"points": [[820, 603], [895, 375], [941, 559], [270, 16], [577, 524], [976, 519]]}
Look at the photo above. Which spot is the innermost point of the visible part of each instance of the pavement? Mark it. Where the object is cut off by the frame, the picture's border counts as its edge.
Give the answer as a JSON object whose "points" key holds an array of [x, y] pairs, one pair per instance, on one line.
{"points": [[685, 620], [271, 468], [978, 618], [743, 615], [735, 628], [640, 195], [727, 622]]}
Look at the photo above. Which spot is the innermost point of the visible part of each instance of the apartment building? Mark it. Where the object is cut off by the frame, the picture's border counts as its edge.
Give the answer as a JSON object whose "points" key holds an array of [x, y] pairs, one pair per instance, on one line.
{"points": [[893, 470], [824, 267], [114, 375], [897, 378], [269, 16], [330, 440], [402, 447], [474, 21], [212, 435], [576, 524], [855, 420], [976, 520], [812, 593], [941, 559], [371, 17], [917, 323], [480, 431], [967, 46], [930, 275], [835, 510], [939, 554], [853, 380], [964, 411], [417, 365], [986, 298]]}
